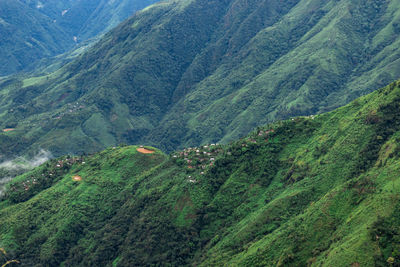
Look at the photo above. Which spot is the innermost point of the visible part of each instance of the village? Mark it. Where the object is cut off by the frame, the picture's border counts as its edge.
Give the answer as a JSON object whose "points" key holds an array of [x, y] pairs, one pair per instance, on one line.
{"points": [[39, 180], [198, 160], [71, 108]]}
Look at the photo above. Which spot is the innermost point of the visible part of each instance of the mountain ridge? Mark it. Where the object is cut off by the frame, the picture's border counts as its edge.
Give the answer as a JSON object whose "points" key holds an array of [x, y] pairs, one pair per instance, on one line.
{"points": [[183, 73], [37, 30], [316, 190]]}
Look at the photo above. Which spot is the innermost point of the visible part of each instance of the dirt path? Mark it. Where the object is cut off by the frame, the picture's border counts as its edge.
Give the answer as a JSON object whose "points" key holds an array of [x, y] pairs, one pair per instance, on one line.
{"points": [[145, 151], [8, 130]]}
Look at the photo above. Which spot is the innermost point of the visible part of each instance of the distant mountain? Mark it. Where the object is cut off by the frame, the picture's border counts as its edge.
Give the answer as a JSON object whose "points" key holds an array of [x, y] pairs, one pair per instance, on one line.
{"points": [[310, 191], [33, 29], [87, 18], [184, 73], [26, 35]]}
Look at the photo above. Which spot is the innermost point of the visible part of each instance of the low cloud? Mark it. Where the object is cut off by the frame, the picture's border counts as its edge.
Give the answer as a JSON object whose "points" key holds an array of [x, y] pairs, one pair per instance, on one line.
{"points": [[3, 182], [22, 163]]}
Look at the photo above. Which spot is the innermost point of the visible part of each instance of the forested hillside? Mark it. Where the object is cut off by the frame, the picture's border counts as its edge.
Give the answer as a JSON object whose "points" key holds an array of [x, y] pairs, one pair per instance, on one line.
{"points": [[87, 18], [310, 191], [33, 30], [184, 73], [25, 34]]}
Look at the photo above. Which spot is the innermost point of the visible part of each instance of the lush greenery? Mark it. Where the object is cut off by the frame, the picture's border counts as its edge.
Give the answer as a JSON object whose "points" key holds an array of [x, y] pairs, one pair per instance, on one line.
{"points": [[317, 190], [33, 30], [189, 72]]}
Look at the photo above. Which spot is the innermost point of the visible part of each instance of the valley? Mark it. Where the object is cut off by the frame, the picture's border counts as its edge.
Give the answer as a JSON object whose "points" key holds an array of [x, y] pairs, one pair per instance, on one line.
{"points": [[185, 73], [34, 31], [199, 133]]}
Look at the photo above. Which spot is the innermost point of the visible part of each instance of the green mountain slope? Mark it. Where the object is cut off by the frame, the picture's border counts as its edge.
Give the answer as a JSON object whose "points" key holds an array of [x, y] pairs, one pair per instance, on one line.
{"points": [[26, 34], [319, 191], [33, 30], [87, 18], [184, 73]]}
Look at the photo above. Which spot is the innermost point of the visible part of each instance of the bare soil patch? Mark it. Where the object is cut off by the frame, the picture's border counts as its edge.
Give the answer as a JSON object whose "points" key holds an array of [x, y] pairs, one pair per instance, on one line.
{"points": [[77, 178], [145, 150], [8, 130]]}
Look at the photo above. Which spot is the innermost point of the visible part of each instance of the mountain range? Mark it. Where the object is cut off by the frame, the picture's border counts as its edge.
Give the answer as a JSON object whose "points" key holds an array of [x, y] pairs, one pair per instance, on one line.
{"points": [[31, 30], [184, 73], [199, 133]]}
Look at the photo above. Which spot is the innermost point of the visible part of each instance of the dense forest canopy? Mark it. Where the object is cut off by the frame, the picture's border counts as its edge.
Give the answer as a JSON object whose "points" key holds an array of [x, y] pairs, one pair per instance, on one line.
{"points": [[185, 73], [310, 191]]}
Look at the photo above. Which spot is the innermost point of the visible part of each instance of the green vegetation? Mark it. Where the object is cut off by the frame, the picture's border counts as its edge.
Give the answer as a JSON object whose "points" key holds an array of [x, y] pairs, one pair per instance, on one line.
{"points": [[3, 254], [34, 30], [310, 191], [190, 72], [313, 190]]}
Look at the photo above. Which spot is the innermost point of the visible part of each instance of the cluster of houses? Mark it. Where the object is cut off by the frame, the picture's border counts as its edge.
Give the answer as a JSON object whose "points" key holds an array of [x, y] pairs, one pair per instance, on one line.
{"points": [[28, 183], [261, 134], [71, 109], [69, 161], [55, 170], [198, 159]]}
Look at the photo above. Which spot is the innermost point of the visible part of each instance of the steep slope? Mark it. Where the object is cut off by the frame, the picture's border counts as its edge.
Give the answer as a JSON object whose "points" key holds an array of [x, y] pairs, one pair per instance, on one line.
{"points": [[318, 56], [319, 191], [26, 34], [32, 30], [184, 73], [87, 18]]}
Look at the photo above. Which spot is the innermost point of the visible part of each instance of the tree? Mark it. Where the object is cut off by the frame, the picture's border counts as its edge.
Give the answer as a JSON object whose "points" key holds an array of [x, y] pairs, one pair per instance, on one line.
{"points": [[4, 256]]}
